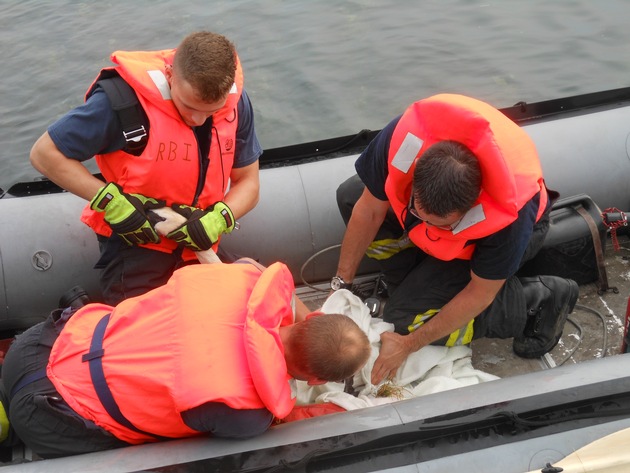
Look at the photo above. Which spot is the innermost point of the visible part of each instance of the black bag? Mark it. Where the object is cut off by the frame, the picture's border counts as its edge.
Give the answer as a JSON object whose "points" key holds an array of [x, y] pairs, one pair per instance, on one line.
{"points": [[575, 244]]}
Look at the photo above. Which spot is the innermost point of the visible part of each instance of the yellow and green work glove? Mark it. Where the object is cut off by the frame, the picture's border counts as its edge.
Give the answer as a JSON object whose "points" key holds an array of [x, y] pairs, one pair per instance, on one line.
{"points": [[127, 214], [203, 227]]}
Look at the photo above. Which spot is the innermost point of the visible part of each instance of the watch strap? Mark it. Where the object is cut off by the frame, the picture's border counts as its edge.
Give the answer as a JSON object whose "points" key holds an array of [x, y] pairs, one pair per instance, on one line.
{"points": [[337, 282]]}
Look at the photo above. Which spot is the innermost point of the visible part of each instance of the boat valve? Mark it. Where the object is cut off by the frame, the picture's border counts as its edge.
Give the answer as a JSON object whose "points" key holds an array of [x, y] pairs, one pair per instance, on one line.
{"points": [[614, 218]]}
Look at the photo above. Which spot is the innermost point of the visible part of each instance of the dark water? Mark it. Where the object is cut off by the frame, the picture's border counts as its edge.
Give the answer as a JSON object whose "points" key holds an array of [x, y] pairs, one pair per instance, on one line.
{"points": [[315, 69]]}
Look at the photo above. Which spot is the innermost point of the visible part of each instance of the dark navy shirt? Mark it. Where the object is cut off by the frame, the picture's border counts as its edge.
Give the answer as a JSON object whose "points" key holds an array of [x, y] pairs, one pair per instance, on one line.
{"points": [[496, 256], [221, 420], [93, 128]]}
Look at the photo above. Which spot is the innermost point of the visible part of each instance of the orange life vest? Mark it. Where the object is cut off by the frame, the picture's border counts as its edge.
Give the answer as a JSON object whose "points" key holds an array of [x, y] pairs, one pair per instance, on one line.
{"points": [[169, 167], [511, 171], [210, 334]]}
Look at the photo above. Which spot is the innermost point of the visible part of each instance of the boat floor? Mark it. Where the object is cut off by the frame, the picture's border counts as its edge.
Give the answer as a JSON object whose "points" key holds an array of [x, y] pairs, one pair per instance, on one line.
{"points": [[594, 329]]}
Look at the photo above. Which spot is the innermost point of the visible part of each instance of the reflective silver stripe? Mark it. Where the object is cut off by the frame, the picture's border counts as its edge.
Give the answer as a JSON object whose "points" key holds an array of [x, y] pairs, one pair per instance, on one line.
{"points": [[159, 79]]}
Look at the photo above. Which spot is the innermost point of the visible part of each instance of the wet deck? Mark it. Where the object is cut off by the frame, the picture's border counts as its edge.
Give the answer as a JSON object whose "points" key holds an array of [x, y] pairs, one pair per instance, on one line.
{"points": [[594, 329]]}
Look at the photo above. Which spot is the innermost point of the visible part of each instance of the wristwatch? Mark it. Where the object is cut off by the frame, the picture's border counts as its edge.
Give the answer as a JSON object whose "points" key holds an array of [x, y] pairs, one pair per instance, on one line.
{"points": [[337, 283]]}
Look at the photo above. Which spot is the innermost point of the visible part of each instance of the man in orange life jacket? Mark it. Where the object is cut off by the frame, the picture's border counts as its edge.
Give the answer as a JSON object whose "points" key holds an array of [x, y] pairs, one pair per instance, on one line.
{"points": [[450, 198], [214, 351], [201, 139]]}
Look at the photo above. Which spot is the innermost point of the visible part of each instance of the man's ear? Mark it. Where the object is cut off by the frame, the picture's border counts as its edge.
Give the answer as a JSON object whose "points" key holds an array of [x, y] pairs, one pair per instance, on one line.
{"points": [[314, 314]]}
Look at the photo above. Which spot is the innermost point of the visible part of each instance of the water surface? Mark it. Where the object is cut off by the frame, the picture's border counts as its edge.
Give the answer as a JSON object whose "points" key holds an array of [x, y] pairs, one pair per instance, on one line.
{"points": [[314, 69]]}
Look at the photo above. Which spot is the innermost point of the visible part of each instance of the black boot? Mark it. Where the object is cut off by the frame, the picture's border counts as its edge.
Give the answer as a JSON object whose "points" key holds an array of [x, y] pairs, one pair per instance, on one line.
{"points": [[549, 300], [74, 297]]}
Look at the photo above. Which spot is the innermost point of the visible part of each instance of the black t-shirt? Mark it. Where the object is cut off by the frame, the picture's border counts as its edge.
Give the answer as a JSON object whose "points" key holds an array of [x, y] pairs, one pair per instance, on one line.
{"points": [[496, 256]]}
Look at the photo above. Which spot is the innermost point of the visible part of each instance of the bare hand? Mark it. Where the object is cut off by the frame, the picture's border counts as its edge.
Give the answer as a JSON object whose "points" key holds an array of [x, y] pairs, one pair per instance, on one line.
{"points": [[394, 351]]}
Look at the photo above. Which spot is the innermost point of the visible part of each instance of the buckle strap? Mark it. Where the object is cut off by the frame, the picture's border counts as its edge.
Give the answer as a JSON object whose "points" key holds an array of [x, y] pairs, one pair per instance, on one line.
{"points": [[124, 102], [95, 359], [599, 253]]}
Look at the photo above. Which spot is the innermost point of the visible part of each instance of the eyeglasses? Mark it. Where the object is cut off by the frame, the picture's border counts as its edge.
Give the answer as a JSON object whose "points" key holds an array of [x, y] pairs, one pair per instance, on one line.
{"points": [[412, 210]]}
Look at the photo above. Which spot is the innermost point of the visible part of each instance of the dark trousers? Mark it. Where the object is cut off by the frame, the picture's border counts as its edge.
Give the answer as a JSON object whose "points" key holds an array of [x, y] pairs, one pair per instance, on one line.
{"points": [[129, 271], [38, 415], [418, 282]]}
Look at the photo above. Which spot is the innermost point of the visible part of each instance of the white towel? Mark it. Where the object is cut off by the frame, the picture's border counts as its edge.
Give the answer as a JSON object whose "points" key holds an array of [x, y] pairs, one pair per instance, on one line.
{"points": [[429, 370]]}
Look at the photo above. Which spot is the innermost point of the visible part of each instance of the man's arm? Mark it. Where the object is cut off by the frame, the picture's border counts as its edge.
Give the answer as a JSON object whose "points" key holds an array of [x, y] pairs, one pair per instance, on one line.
{"points": [[67, 173], [221, 420], [244, 189], [89, 129], [301, 310], [470, 302], [367, 216]]}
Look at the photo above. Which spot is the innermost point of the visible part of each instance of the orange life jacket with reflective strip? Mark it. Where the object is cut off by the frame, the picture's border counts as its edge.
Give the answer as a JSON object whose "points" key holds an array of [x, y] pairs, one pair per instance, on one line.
{"points": [[169, 168], [511, 171], [211, 334]]}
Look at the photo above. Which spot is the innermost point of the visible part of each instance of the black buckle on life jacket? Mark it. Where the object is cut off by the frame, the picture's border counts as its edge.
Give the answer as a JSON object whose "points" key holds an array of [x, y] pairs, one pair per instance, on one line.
{"points": [[133, 119], [135, 136]]}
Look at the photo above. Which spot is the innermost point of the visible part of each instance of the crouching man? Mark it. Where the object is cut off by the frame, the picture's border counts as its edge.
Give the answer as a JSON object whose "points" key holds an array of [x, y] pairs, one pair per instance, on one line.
{"points": [[214, 351]]}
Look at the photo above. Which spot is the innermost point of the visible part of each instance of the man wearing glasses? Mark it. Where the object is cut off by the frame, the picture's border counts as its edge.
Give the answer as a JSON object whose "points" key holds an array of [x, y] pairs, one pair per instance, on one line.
{"points": [[450, 198]]}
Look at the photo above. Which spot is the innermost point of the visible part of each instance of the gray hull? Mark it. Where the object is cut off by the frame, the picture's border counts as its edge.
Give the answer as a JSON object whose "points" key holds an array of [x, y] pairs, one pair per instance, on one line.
{"points": [[485, 428], [45, 249]]}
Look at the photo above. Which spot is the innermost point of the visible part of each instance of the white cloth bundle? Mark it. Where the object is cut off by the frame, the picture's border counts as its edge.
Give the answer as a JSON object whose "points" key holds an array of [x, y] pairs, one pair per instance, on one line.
{"points": [[429, 370]]}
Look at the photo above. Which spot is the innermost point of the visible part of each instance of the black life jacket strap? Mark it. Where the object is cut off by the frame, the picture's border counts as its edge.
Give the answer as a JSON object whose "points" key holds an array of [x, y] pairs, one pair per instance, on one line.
{"points": [[125, 103], [95, 359]]}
